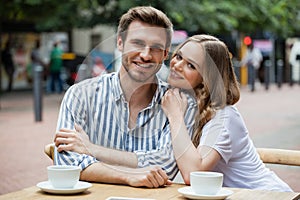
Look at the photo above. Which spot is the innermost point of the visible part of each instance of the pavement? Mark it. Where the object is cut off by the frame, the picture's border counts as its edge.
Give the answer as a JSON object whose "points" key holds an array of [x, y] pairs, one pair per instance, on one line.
{"points": [[272, 117]]}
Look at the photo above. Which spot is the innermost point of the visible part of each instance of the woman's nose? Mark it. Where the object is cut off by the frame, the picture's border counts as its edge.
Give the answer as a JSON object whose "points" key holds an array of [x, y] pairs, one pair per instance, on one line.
{"points": [[178, 65]]}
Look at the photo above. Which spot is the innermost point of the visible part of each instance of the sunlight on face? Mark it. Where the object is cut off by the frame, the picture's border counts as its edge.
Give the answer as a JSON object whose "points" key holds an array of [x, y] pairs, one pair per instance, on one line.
{"points": [[143, 50]]}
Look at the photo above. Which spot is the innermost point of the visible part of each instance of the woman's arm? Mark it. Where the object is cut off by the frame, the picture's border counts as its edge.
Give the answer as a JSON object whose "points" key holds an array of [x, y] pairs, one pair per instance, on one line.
{"points": [[188, 157]]}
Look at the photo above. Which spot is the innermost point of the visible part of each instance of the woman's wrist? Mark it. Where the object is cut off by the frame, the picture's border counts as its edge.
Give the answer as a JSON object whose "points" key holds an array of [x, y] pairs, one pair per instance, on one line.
{"points": [[178, 119]]}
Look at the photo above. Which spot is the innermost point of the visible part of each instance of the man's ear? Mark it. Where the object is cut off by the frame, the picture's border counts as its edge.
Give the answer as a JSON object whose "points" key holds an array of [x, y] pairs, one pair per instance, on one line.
{"points": [[166, 53], [120, 43]]}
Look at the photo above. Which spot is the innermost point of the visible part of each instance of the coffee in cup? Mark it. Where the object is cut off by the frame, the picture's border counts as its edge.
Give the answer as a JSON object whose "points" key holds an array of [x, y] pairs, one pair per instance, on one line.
{"points": [[63, 176], [206, 183]]}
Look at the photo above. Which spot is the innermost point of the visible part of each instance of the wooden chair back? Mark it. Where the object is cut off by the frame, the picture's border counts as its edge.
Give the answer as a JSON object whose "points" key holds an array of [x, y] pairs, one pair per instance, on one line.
{"points": [[279, 156], [49, 150], [267, 155]]}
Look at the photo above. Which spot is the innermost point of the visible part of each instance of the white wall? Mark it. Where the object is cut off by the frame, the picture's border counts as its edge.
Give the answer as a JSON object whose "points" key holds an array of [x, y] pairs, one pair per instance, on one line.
{"points": [[108, 38], [82, 39]]}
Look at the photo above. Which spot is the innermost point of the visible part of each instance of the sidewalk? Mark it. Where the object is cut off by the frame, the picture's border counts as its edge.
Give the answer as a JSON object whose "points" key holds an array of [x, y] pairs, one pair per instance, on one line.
{"points": [[272, 118]]}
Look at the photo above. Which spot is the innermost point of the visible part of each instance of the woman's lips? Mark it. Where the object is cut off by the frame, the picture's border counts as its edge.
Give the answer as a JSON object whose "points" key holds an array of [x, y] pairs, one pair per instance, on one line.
{"points": [[175, 75]]}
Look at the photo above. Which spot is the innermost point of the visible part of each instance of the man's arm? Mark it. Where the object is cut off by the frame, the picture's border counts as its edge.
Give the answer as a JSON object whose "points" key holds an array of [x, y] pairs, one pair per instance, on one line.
{"points": [[75, 148], [95, 171], [78, 141], [151, 177]]}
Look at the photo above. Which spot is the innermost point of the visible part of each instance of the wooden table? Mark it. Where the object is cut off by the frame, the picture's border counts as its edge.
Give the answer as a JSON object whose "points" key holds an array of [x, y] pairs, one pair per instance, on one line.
{"points": [[103, 191]]}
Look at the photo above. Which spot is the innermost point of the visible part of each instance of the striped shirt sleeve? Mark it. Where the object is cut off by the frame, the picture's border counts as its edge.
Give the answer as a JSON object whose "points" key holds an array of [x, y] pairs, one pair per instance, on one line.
{"points": [[73, 109]]}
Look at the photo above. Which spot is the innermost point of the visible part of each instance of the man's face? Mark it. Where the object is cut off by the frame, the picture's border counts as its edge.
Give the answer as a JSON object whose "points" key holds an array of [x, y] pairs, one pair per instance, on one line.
{"points": [[143, 51]]}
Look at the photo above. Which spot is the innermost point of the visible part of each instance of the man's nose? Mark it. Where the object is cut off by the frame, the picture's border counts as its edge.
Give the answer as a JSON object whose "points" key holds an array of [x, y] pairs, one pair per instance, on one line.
{"points": [[146, 53]]}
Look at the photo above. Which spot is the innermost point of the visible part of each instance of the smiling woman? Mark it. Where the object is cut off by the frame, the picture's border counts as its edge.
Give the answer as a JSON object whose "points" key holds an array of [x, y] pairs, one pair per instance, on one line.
{"points": [[202, 65], [187, 63]]}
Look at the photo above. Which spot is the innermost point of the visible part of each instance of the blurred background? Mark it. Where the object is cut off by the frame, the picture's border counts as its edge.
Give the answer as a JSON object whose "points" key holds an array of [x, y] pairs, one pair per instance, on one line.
{"points": [[86, 29], [85, 33]]}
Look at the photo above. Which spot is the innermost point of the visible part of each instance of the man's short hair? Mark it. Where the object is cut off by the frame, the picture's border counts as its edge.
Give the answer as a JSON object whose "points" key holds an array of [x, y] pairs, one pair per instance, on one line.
{"points": [[146, 14]]}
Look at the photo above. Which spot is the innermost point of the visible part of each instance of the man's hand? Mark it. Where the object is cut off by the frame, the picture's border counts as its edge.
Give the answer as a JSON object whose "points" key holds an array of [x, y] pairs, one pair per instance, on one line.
{"points": [[73, 140], [151, 177]]}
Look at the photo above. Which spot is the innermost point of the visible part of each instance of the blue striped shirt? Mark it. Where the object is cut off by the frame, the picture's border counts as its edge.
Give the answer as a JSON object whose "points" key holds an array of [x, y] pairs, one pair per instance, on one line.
{"points": [[99, 106]]}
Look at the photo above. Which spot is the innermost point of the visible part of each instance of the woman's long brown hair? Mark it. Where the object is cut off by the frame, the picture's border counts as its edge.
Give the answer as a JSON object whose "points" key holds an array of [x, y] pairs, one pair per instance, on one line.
{"points": [[219, 87]]}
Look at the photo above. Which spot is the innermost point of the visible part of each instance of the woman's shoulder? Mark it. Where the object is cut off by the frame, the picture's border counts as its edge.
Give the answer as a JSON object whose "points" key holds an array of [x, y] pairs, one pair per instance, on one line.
{"points": [[231, 110], [227, 110], [227, 115]]}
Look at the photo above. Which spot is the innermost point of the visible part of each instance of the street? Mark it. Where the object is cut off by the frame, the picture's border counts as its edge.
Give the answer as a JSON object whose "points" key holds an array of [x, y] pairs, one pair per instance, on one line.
{"points": [[272, 118]]}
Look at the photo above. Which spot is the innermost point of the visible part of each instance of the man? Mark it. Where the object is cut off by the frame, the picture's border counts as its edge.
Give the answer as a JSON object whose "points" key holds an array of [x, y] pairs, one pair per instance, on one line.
{"points": [[8, 64], [253, 60], [55, 67], [294, 61], [35, 55], [121, 112]]}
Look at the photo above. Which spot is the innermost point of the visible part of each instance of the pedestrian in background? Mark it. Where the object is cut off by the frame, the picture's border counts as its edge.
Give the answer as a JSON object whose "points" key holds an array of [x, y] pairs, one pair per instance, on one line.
{"points": [[252, 59], [55, 66], [98, 68], [9, 67], [294, 61]]}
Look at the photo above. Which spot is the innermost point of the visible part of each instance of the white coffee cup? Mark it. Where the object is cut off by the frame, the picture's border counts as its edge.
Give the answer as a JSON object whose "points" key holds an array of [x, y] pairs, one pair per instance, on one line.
{"points": [[63, 176], [206, 183]]}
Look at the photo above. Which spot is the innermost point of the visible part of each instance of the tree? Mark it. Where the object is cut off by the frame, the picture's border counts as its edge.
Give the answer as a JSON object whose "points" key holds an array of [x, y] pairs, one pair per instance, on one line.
{"points": [[280, 17], [244, 16]]}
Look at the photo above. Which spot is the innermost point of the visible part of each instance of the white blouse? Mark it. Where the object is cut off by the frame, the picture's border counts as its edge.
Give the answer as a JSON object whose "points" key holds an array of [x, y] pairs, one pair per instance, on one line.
{"points": [[240, 163]]}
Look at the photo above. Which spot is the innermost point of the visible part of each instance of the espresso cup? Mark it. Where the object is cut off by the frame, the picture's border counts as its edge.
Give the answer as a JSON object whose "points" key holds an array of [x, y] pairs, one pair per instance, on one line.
{"points": [[206, 183], [63, 176]]}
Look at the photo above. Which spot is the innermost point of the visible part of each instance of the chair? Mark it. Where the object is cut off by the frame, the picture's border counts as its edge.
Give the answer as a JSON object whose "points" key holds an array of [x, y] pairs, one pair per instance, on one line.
{"points": [[49, 150], [267, 155], [279, 156]]}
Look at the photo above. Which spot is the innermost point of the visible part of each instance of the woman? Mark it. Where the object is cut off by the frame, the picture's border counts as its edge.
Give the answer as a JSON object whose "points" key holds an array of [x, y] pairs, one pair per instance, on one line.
{"points": [[202, 66]]}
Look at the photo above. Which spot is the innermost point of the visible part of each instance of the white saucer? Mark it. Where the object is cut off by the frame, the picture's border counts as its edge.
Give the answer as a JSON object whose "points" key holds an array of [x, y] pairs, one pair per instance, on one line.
{"points": [[79, 187], [189, 193]]}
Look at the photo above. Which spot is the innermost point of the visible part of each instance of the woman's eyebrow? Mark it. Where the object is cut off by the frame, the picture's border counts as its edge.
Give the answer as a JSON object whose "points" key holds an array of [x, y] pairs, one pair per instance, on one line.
{"points": [[189, 60]]}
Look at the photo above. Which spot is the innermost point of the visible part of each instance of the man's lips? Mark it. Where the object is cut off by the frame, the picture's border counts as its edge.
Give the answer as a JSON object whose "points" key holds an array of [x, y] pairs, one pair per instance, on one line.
{"points": [[143, 65]]}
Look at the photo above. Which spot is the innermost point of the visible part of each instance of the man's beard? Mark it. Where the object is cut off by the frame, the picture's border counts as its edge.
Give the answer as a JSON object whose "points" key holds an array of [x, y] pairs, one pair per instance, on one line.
{"points": [[142, 77]]}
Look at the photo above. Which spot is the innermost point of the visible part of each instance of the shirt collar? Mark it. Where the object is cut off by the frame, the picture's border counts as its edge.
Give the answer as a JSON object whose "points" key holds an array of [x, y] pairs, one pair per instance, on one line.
{"points": [[116, 86], [159, 93]]}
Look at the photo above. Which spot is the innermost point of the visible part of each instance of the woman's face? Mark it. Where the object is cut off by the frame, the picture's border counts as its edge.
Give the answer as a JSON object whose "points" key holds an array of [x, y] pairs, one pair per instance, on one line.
{"points": [[185, 66]]}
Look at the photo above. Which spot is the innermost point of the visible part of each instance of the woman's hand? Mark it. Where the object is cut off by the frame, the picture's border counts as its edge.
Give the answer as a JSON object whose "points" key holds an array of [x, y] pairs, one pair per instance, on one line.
{"points": [[73, 140], [174, 103]]}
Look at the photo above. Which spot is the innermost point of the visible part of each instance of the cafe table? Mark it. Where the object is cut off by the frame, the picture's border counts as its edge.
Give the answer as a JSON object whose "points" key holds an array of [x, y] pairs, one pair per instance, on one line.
{"points": [[100, 191]]}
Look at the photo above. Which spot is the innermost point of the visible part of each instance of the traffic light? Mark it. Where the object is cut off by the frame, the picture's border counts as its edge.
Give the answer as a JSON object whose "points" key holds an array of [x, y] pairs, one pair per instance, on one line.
{"points": [[247, 40]]}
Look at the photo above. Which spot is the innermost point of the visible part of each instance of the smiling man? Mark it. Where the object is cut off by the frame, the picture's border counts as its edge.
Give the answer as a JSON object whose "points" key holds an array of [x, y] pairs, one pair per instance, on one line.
{"points": [[113, 125]]}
